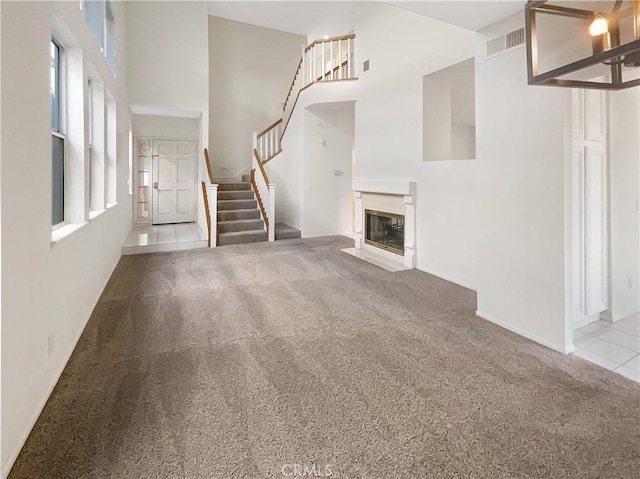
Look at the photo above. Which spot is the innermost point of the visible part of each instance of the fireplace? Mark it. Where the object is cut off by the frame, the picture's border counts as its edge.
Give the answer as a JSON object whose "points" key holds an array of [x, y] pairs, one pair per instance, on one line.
{"points": [[385, 230], [385, 220]]}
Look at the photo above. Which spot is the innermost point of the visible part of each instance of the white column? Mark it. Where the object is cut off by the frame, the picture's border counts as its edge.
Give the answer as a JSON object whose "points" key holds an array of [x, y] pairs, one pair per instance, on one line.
{"points": [[213, 211], [409, 232], [358, 235], [272, 211]]}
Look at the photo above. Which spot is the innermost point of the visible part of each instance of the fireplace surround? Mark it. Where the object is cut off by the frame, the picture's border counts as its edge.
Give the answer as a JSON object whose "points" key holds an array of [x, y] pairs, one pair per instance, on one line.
{"points": [[384, 230], [391, 201]]}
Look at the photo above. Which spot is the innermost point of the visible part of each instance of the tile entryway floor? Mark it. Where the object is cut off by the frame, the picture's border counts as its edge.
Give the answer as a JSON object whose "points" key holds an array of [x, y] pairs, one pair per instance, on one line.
{"points": [[615, 346], [160, 238]]}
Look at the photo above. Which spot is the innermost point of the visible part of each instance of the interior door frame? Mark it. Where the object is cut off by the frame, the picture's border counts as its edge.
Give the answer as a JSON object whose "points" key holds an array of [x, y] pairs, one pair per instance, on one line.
{"points": [[151, 170], [579, 138], [195, 175]]}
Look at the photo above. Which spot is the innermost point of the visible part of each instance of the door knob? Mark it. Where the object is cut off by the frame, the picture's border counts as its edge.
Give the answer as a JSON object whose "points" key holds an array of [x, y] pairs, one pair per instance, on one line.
{"points": [[155, 185]]}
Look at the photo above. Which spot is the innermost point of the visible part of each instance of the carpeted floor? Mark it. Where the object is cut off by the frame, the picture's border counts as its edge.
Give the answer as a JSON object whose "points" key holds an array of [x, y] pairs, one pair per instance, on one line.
{"points": [[256, 361]]}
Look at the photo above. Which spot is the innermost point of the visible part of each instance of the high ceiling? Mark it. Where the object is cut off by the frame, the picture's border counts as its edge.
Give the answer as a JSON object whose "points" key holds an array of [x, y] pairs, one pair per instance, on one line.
{"points": [[317, 18]]}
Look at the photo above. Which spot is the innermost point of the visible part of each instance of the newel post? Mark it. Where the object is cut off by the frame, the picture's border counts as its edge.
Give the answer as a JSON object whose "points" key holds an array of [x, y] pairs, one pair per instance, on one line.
{"points": [[272, 211], [213, 211]]}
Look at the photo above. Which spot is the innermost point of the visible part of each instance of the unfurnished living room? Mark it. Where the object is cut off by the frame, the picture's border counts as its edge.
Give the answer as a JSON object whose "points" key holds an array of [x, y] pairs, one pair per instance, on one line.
{"points": [[350, 239]]}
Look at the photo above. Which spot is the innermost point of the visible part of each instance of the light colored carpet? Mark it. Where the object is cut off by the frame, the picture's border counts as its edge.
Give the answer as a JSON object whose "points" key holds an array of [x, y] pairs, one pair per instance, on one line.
{"points": [[244, 360]]}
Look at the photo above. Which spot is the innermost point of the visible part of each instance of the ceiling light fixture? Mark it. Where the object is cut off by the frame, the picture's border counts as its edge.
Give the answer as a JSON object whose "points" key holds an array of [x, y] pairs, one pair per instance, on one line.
{"points": [[599, 26], [614, 34]]}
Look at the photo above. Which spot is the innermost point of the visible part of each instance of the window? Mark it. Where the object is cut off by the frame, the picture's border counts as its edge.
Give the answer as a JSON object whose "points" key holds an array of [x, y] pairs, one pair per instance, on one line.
{"points": [[110, 37], [95, 18], [55, 86], [91, 168], [57, 145], [101, 21], [96, 135], [110, 149]]}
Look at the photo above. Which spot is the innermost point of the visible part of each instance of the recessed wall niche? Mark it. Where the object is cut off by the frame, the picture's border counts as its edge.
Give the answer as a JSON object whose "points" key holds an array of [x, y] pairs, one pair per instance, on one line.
{"points": [[449, 113]]}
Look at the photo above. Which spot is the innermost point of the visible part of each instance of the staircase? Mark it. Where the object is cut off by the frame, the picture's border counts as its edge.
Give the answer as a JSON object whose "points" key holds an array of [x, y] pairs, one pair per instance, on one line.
{"points": [[238, 215], [246, 210]]}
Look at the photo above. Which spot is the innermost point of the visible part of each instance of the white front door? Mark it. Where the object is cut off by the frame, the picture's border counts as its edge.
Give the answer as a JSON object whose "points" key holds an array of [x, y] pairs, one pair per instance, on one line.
{"points": [[174, 169]]}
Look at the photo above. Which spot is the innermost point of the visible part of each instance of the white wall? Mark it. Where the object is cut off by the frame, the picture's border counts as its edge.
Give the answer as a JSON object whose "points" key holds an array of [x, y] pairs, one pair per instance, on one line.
{"points": [[520, 196], [168, 62], [285, 170], [389, 131], [169, 127], [251, 69], [328, 147], [624, 161], [47, 290]]}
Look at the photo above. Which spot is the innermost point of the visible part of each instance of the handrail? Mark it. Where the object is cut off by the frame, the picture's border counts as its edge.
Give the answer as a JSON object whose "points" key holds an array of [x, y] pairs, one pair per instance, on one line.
{"points": [[270, 127], [207, 211], [330, 63], [208, 163], [293, 82], [293, 108], [348, 36], [259, 161], [254, 185]]}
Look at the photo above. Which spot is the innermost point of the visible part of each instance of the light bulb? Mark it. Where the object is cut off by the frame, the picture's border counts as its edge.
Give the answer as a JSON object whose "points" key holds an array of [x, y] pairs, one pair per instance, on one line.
{"points": [[326, 37], [599, 26]]}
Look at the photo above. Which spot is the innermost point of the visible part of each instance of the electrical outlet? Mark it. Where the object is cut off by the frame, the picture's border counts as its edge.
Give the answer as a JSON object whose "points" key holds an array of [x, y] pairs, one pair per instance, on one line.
{"points": [[324, 143], [51, 343]]}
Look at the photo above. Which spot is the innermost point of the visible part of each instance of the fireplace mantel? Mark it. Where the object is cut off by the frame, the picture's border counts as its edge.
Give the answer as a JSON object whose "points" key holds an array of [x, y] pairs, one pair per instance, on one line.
{"points": [[386, 187], [400, 188]]}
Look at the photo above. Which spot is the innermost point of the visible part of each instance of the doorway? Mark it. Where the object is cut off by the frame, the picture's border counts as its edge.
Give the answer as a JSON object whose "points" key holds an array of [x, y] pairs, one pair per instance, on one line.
{"points": [[590, 204], [173, 172]]}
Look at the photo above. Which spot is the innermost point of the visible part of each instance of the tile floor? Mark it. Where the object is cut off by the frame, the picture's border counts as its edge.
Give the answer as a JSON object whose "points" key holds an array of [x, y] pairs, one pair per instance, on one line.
{"points": [[615, 346], [158, 238]]}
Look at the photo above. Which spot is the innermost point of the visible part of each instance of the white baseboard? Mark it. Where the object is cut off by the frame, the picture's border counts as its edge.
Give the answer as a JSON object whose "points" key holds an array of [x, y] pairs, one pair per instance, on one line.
{"points": [[56, 378], [348, 235], [526, 334], [464, 284]]}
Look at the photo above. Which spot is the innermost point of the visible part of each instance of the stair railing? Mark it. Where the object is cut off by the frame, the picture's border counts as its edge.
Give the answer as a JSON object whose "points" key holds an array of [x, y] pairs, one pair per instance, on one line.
{"points": [[210, 204], [268, 141], [323, 60], [264, 190], [208, 163]]}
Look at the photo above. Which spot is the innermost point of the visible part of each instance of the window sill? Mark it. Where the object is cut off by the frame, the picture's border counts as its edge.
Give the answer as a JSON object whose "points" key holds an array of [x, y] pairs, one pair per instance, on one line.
{"points": [[111, 205], [95, 213], [64, 231]]}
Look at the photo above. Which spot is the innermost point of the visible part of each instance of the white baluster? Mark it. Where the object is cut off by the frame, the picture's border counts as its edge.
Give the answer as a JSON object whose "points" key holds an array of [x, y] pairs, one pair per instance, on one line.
{"points": [[273, 141], [324, 66], [348, 58], [315, 63], [331, 55], [272, 211], [340, 75], [303, 70], [213, 211]]}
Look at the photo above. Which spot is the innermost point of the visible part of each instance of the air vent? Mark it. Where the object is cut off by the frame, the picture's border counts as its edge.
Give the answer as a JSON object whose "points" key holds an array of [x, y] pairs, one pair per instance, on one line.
{"points": [[515, 38], [505, 42]]}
